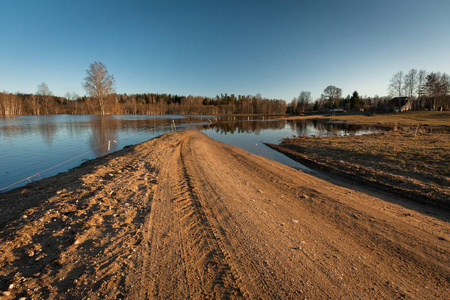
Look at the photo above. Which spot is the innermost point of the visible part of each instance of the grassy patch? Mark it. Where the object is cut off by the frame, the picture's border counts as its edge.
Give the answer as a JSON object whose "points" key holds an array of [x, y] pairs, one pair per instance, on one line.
{"points": [[418, 164]]}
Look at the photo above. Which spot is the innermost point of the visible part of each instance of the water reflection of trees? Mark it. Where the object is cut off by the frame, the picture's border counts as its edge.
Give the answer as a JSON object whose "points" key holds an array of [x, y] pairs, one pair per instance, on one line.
{"points": [[245, 126], [29, 126], [323, 127], [307, 127], [48, 131], [105, 130]]}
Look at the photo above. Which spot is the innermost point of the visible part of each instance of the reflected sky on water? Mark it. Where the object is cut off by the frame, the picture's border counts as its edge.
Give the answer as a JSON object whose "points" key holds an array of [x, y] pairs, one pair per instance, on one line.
{"points": [[33, 144]]}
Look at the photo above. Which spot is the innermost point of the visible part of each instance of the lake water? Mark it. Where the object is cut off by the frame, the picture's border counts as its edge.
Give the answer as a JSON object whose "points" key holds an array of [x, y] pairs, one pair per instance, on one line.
{"points": [[34, 147]]}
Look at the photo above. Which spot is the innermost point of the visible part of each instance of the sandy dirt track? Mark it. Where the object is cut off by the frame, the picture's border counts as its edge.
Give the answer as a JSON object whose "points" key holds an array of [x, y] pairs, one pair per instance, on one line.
{"points": [[186, 217]]}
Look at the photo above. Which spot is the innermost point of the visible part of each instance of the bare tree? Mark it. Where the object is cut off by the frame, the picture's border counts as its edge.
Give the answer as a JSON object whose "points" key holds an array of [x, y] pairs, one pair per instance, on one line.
{"points": [[9, 104], [396, 85], [293, 105], [437, 88], [445, 84], [44, 93], [410, 83], [71, 96], [99, 84], [34, 104], [333, 94], [421, 80], [303, 100]]}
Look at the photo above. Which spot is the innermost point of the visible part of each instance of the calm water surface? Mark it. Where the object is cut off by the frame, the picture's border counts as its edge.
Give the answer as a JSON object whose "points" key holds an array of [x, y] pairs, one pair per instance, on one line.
{"points": [[33, 147]]}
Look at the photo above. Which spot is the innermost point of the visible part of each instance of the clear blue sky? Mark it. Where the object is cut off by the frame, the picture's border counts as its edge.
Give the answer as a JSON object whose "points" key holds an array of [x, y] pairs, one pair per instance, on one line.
{"points": [[276, 48]]}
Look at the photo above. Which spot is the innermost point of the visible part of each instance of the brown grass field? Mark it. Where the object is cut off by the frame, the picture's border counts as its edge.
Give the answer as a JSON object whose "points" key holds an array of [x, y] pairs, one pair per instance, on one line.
{"points": [[411, 118], [412, 158]]}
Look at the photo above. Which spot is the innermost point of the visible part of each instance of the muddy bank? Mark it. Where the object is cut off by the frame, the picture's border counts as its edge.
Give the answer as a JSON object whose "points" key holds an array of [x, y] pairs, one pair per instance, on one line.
{"points": [[183, 216]]}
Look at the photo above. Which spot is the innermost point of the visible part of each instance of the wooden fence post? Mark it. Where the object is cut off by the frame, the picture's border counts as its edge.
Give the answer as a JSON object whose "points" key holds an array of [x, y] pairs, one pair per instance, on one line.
{"points": [[174, 127]]}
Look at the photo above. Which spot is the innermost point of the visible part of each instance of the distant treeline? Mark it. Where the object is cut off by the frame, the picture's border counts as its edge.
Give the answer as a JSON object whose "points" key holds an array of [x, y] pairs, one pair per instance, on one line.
{"points": [[425, 90], [150, 103]]}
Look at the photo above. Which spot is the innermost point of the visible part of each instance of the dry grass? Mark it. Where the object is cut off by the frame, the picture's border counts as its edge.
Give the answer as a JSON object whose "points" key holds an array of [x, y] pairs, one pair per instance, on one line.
{"points": [[396, 152], [419, 164], [411, 118]]}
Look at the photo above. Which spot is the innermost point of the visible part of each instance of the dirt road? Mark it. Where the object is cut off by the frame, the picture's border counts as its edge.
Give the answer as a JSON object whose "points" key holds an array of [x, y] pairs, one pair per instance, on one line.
{"points": [[185, 217]]}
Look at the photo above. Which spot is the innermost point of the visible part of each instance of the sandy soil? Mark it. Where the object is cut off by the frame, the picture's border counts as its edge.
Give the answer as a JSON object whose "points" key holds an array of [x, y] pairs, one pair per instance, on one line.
{"points": [[183, 216]]}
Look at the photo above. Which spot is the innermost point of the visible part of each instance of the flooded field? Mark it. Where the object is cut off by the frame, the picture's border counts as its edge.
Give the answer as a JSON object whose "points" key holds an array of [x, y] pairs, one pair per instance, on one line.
{"points": [[33, 147]]}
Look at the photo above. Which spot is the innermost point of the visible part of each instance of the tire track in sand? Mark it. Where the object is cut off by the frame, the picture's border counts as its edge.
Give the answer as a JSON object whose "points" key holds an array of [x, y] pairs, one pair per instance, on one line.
{"points": [[180, 256], [226, 224]]}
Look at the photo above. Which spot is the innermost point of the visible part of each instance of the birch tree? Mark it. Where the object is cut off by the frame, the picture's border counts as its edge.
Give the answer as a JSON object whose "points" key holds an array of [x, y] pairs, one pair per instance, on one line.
{"points": [[44, 93], [396, 85], [410, 83], [421, 80], [99, 84]]}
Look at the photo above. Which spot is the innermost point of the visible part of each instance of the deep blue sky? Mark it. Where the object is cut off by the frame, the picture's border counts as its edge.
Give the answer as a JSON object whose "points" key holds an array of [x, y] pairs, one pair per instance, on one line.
{"points": [[276, 48]]}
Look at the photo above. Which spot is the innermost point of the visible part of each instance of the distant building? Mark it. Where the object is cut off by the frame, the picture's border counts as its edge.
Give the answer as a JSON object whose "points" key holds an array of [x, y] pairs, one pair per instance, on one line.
{"points": [[399, 104]]}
